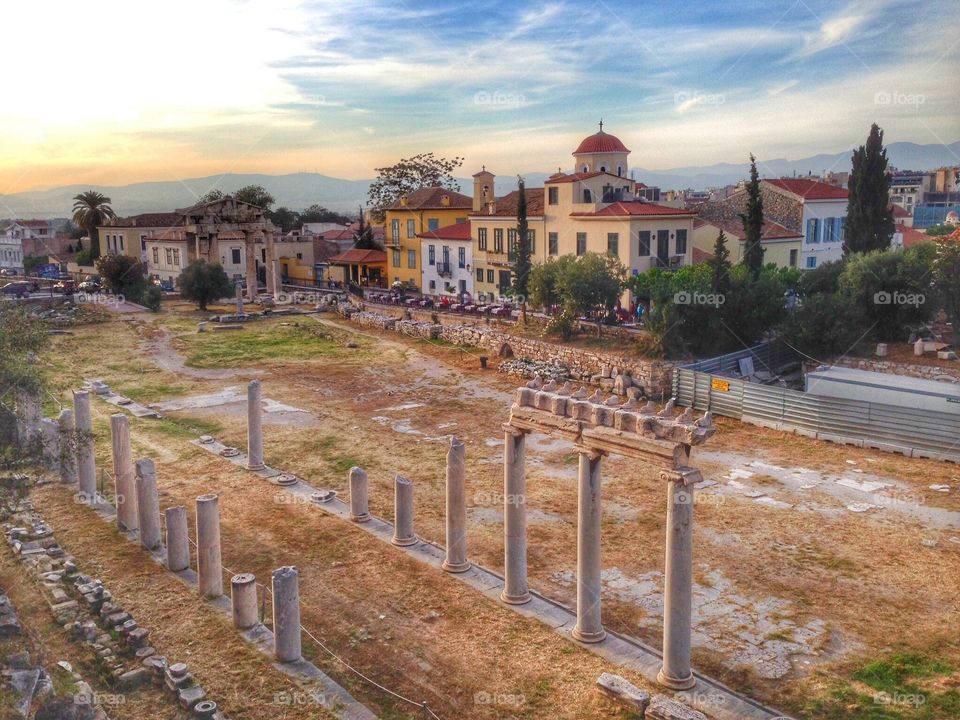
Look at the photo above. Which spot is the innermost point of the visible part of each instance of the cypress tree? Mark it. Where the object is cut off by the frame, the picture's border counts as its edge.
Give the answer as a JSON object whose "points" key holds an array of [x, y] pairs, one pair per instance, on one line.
{"points": [[869, 223], [521, 262], [720, 265], [753, 223]]}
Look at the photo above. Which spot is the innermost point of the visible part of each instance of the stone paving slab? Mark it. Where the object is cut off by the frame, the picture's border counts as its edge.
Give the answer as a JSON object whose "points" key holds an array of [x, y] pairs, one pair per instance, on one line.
{"points": [[122, 402], [710, 696]]}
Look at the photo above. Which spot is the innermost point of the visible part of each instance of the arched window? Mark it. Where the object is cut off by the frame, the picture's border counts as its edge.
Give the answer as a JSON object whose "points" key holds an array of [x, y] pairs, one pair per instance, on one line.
{"points": [[619, 170], [603, 168], [584, 169]]}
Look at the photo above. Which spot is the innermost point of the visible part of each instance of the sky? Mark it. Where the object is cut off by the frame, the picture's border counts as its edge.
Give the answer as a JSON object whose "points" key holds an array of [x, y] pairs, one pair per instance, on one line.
{"points": [[112, 92]]}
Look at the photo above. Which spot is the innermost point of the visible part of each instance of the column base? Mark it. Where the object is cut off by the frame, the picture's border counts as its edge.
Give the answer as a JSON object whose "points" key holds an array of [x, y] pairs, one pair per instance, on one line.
{"points": [[676, 683], [400, 542], [360, 518], [455, 567], [588, 637], [257, 467], [516, 599]]}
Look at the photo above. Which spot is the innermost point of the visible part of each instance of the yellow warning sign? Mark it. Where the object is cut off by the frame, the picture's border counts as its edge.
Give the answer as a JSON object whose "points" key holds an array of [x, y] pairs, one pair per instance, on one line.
{"points": [[722, 385]]}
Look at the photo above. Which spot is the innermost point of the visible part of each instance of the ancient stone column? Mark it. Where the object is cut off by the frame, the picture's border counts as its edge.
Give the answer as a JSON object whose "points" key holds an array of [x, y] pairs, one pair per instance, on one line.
{"points": [[148, 504], [243, 599], [589, 627], [68, 442], [271, 264], [403, 512], [456, 560], [254, 427], [86, 460], [286, 614], [678, 580], [239, 290], [515, 589], [209, 565], [178, 539], [359, 510], [50, 442], [127, 515], [250, 248], [30, 412]]}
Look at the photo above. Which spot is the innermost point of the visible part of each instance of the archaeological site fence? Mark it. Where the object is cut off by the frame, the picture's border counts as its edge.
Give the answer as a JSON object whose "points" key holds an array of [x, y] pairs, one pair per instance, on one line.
{"points": [[708, 385]]}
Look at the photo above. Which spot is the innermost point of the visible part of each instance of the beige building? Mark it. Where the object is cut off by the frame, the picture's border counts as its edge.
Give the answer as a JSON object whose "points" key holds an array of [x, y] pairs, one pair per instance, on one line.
{"points": [[781, 245]]}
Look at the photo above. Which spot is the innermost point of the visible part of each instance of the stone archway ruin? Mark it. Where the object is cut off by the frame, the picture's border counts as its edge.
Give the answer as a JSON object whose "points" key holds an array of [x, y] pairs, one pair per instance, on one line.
{"points": [[598, 427]]}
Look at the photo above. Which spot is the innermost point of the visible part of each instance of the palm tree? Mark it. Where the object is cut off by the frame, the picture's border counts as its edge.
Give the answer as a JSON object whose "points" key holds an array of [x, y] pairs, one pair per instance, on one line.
{"points": [[90, 210]]}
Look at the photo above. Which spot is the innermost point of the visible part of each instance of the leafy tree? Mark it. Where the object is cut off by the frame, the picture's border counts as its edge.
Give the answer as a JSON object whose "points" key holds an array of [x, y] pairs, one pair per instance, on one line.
{"points": [[83, 258], [543, 286], [869, 224], [941, 229], [591, 286], [123, 275], [825, 324], [363, 238], [720, 264], [32, 262], [90, 210], [891, 287], [210, 195], [255, 195], [424, 170], [22, 334], [79, 244], [284, 218], [946, 281], [823, 279], [521, 258], [203, 282], [753, 223], [319, 214]]}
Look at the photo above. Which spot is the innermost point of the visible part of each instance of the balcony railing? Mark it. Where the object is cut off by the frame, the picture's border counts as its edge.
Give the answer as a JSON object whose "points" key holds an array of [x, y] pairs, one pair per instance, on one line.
{"points": [[444, 269]]}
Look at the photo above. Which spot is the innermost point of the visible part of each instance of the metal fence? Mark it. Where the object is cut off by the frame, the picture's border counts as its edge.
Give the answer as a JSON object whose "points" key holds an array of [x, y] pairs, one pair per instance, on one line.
{"points": [[912, 432]]}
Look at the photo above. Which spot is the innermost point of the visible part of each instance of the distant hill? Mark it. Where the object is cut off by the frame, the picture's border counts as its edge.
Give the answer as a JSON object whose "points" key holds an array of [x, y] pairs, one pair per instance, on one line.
{"points": [[300, 190]]}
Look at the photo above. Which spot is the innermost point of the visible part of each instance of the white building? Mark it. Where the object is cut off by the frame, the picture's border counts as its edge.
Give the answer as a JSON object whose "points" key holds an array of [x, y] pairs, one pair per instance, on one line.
{"points": [[819, 208], [11, 251], [447, 261], [36, 234]]}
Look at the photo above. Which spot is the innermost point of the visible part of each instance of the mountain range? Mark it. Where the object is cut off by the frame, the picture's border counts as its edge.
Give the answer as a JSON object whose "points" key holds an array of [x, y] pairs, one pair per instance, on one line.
{"points": [[300, 190]]}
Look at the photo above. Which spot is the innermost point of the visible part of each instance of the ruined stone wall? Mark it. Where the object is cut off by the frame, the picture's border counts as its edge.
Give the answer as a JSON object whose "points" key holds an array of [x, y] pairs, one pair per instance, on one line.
{"points": [[654, 376], [927, 372]]}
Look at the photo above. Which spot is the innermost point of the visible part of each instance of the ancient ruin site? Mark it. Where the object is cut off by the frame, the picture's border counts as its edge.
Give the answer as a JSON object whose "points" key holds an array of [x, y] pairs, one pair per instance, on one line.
{"points": [[340, 513]]}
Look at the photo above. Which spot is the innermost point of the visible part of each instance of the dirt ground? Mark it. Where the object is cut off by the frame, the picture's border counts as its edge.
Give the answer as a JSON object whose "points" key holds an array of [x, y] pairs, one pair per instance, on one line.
{"points": [[812, 561]]}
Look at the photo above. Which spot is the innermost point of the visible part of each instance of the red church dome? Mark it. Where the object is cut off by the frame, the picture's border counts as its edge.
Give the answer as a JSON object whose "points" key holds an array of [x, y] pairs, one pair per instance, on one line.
{"points": [[600, 142]]}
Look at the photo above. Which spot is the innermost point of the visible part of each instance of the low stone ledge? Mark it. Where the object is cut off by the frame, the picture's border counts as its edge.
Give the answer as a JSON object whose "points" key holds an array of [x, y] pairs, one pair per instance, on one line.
{"points": [[624, 692]]}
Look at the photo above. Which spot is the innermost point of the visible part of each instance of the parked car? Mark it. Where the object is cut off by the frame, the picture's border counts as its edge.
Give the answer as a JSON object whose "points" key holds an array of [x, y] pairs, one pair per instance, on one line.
{"points": [[91, 284], [67, 287], [6, 271], [165, 285], [20, 288]]}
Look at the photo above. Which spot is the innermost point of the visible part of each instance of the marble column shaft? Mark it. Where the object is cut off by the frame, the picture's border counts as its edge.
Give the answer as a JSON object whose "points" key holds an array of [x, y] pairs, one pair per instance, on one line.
{"points": [[209, 563], [456, 516], [359, 509], [254, 426], [178, 538], [678, 585], [286, 614], [148, 504], [515, 588], [68, 447], [589, 626], [86, 457], [123, 473], [403, 533]]}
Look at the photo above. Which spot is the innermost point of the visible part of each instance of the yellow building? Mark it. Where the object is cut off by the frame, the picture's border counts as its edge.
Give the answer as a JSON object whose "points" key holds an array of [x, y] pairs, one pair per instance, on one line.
{"points": [[781, 245], [420, 211]]}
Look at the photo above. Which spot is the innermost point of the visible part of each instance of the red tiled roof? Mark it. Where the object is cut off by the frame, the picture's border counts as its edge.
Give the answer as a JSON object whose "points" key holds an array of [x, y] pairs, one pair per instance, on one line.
{"points": [[576, 177], [913, 237], [808, 189], [600, 142], [700, 256], [457, 231], [359, 256], [431, 198], [167, 219], [506, 206], [634, 209], [34, 223], [898, 211], [338, 234], [771, 230]]}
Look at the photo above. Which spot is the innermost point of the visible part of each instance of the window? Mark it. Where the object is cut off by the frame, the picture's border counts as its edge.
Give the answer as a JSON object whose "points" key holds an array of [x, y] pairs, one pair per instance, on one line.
{"points": [[120, 238], [812, 226], [553, 196], [838, 230], [811, 262], [459, 220], [581, 243], [396, 258], [681, 242], [828, 229], [411, 259], [433, 284], [490, 276], [168, 255], [299, 256], [235, 255], [482, 238], [553, 243], [532, 240], [511, 238], [156, 256], [412, 228], [433, 224], [479, 274], [613, 243], [644, 243], [498, 240], [432, 254], [462, 257], [395, 230], [587, 196], [176, 257], [793, 258]]}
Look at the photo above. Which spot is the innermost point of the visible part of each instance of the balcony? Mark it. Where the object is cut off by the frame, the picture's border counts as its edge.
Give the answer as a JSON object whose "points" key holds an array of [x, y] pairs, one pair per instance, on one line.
{"points": [[444, 269]]}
